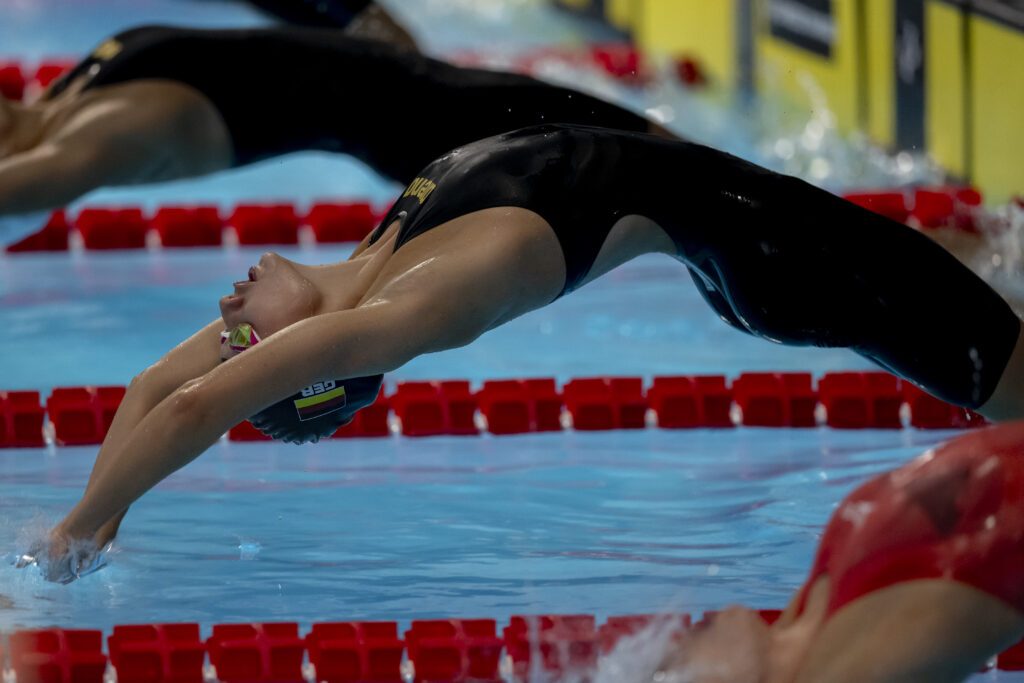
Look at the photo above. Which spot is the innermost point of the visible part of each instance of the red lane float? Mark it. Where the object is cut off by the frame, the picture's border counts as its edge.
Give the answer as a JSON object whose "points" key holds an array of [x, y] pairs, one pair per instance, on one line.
{"points": [[690, 72], [455, 650], [891, 204], [520, 406], [257, 653], [442, 651], [947, 207], [50, 70], [82, 415], [690, 402], [58, 656], [188, 226], [861, 400], [371, 421], [928, 207], [21, 419], [928, 412], [53, 236], [784, 399], [618, 628], [600, 403], [12, 81], [105, 229], [565, 643], [258, 224], [341, 222], [435, 408], [850, 400], [621, 61], [545, 404], [590, 403], [157, 653], [1011, 659], [356, 652], [506, 406]]}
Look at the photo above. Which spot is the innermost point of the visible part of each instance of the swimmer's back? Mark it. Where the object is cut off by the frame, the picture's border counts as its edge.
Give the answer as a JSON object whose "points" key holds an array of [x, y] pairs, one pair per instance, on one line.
{"points": [[956, 513], [282, 90]]}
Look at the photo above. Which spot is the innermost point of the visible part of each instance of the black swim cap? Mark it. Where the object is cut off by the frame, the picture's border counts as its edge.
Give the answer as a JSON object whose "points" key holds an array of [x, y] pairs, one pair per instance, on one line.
{"points": [[317, 411]]}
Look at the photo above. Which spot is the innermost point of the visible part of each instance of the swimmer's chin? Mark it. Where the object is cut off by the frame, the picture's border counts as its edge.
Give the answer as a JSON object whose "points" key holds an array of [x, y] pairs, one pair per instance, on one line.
{"points": [[230, 304]]}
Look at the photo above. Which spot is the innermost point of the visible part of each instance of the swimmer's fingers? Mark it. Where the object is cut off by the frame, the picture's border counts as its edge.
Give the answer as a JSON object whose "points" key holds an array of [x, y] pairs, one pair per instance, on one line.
{"points": [[27, 558], [63, 561], [35, 553]]}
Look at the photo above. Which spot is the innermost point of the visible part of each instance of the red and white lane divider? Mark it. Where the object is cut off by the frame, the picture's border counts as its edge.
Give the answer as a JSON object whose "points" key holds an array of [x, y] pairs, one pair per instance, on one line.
{"points": [[99, 229], [20, 81], [566, 647], [841, 400]]}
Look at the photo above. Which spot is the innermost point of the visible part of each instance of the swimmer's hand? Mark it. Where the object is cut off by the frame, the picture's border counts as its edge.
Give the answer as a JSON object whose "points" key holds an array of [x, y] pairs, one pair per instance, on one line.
{"points": [[62, 559]]}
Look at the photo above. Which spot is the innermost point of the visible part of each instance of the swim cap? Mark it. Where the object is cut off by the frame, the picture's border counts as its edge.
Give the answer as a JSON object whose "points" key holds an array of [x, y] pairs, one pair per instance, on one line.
{"points": [[315, 412]]}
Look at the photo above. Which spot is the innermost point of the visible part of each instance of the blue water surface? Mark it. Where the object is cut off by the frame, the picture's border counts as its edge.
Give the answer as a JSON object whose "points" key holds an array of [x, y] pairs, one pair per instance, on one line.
{"points": [[393, 528]]}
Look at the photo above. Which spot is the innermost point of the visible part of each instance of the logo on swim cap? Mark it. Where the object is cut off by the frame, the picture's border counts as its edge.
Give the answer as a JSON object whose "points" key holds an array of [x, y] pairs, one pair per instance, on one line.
{"points": [[108, 49], [320, 399]]}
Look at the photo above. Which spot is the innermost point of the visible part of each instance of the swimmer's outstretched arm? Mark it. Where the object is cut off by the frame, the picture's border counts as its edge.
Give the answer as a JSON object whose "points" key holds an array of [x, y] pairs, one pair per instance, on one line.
{"points": [[192, 358], [368, 340], [935, 630]]}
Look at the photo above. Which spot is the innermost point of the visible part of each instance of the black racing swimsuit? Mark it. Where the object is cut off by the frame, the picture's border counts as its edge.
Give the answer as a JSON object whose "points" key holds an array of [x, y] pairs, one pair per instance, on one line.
{"points": [[284, 90], [774, 256], [319, 13]]}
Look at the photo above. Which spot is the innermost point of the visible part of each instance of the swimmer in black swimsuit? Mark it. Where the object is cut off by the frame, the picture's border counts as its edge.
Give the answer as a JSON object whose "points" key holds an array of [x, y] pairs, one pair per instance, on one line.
{"points": [[364, 18], [506, 225], [157, 103]]}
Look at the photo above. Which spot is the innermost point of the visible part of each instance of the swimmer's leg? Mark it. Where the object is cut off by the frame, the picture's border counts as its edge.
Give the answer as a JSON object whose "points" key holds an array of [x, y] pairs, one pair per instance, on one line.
{"points": [[713, 296], [801, 266], [1007, 401]]}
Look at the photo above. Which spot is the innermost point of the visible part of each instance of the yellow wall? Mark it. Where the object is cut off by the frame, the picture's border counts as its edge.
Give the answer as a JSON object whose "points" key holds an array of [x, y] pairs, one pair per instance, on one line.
{"points": [[881, 77], [945, 90], [974, 88], [997, 112], [623, 14], [705, 29], [576, 4], [781, 66]]}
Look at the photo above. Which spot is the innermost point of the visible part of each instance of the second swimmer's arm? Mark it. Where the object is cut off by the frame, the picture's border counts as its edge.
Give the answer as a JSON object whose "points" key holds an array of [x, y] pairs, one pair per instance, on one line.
{"points": [[364, 341], [933, 631], [192, 358]]}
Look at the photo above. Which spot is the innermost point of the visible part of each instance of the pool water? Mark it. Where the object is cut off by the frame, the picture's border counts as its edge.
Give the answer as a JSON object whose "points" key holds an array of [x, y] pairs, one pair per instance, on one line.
{"points": [[401, 528]]}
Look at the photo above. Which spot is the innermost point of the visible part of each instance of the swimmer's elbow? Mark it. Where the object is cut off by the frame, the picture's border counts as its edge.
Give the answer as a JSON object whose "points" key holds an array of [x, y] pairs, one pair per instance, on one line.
{"points": [[190, 405]]}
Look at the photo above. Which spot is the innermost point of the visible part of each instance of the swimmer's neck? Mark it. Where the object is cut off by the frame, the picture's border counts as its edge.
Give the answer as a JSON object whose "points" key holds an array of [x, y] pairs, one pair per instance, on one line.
{"points": [[343, 285]]}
